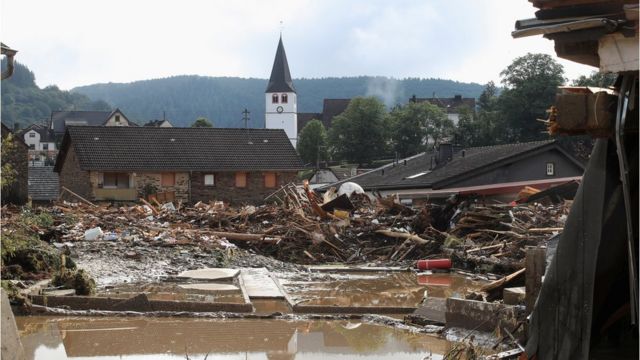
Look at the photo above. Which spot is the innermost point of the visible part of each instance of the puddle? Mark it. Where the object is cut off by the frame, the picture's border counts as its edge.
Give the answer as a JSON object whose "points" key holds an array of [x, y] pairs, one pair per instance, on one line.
{"points": [[399, 289], [46, 338], [174, 292]]}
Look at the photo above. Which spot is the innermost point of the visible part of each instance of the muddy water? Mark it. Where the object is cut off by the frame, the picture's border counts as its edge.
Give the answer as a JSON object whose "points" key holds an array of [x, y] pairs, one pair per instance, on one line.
{"points": [[398, 289], [147, 338]]}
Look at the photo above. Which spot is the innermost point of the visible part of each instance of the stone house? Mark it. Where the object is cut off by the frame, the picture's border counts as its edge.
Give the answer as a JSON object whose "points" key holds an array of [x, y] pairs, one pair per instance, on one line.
{"points": [[190, 164], [18, 191]]}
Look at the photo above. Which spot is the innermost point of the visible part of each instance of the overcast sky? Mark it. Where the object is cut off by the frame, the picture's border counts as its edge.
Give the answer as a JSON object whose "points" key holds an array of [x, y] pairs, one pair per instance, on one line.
{"points": [[79, 42]]}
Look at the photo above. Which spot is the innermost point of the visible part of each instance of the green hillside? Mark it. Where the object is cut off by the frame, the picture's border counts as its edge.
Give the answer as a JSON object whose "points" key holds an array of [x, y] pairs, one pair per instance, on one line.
{"points": [[24, 103], [222, 99]]}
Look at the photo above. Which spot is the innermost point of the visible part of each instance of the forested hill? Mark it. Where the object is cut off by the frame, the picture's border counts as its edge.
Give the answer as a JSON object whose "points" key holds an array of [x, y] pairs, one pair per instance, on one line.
{"points": [[24, 103], [222, 99]]}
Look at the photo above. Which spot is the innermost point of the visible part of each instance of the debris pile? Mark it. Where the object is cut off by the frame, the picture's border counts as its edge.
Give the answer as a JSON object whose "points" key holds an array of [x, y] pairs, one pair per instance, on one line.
{"points": [[299, 226]]}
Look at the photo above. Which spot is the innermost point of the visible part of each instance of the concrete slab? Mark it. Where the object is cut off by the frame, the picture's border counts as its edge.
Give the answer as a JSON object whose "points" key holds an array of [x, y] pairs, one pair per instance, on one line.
{"points": [[259, 284], [514, 295], [11, 345], [430, 312], [62, 292], [210, 287], [478, 315], [211, 274]]}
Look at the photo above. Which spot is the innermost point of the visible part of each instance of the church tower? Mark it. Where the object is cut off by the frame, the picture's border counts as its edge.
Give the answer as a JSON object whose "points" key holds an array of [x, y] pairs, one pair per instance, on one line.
{"points": [[281, 105]]}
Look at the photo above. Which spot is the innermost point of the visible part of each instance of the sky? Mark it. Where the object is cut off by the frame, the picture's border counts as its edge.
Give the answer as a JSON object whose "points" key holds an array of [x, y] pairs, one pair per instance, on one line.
{"points": [[71, 43]]}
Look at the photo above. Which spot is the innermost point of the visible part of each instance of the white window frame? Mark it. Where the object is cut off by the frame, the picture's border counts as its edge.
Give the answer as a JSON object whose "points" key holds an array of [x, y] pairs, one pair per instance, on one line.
{"points": [[551, 169], [212, 182]]}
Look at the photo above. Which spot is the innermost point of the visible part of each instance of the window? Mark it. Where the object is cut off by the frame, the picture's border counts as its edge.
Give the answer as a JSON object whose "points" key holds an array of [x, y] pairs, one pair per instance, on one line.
{"points": [[116, 180], [241, 179], [209, 180], [118, 119], [32, 134], [274, 98], [284, 98], [550, 169], [168, 179], [270, 180], [45, 146], [32, 146]]}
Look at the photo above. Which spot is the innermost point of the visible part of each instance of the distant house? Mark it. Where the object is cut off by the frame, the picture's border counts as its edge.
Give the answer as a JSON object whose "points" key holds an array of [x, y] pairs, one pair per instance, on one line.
{"points": [[159, 123], [330, 109], [61, 119], [41, 142], [190, 164], [44, 185], [324, 176], [17, 192], [452, 106], [497, 171]]}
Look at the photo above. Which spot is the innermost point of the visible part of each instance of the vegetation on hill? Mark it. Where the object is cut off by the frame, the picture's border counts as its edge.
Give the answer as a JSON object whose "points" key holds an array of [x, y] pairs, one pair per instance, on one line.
{"points": [[185, 98], [24, 103]]}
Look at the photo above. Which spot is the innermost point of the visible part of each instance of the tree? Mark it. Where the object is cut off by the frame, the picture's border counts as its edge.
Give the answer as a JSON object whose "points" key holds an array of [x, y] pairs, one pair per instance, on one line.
{"points": [[202, 122], [8, 173], [360, 133], [530, 86], [598, 79], [417, 124], [312, 142], [487, 100]]}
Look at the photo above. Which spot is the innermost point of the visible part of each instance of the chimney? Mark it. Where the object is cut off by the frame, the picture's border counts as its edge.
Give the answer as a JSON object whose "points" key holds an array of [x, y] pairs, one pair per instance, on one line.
{"points": [[445, 153]]}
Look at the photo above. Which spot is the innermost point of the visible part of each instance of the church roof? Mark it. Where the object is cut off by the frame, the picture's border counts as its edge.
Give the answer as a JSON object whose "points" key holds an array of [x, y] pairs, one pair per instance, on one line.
{"points": [[280, 80]]}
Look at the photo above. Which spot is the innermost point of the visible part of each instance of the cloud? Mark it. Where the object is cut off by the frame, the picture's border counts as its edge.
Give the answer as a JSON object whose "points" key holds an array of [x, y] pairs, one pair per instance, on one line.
{"points": [[78, 42]]}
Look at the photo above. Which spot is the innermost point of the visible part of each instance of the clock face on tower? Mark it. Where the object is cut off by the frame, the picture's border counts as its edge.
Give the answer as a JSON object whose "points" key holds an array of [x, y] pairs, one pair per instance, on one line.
{"points": [[279, 109]]}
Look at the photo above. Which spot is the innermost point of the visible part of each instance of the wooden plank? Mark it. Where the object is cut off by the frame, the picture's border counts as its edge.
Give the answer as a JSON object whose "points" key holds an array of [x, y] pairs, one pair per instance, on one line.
{"points": [[535, 266]]}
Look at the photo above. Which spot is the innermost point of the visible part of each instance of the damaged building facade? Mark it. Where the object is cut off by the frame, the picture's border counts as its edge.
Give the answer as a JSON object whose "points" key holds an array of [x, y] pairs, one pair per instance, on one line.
{"points": [[181, 164]]}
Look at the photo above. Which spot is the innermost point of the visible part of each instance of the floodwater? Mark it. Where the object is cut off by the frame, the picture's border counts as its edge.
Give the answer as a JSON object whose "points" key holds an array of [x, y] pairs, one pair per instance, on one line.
{"points": [[50, 338], [394, 289]]}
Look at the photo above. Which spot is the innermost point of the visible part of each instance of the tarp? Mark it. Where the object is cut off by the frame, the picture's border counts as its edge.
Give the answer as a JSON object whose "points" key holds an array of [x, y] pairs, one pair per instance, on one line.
{"points": [[587, 280]]}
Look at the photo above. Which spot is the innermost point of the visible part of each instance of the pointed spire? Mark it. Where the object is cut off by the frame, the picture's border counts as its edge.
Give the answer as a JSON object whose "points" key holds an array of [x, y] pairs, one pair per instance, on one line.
{"points": [[280, 80]]}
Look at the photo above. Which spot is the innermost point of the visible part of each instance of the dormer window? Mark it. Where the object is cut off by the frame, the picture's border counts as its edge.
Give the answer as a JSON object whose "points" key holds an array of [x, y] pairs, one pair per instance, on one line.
{"points": [[118, 119], [284, 98], [274, 98]]}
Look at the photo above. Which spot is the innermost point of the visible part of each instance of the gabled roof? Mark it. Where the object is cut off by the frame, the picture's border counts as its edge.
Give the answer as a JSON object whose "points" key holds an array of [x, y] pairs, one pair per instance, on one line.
{"points": [[332, 108], [43, 183], [157, 123], [280, 80], [46, 134], [420, 171], [6, 131], [125, 148], [60, 119]]}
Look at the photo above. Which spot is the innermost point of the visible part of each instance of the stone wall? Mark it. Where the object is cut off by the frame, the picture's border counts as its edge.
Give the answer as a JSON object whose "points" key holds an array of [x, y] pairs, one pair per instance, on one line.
{"points": [[225, 190], [181, 187], [74, 178]]}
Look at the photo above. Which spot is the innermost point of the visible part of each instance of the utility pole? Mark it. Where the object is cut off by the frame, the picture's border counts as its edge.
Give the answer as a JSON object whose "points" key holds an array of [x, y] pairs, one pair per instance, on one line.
{"points": [[245, 117]]}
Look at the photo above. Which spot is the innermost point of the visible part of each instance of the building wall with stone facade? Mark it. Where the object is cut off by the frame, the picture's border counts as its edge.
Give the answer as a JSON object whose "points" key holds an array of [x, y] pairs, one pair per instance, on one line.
{"points": [[180, 187], [225, 188], [73, 177]]}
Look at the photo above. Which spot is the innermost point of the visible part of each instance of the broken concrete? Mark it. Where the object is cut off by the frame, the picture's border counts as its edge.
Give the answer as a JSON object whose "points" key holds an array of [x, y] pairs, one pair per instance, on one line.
{"points": [[259, 284], [430, 312], [210, 287], [11, 346], [210, 274], [514, 295], [478, 315]]}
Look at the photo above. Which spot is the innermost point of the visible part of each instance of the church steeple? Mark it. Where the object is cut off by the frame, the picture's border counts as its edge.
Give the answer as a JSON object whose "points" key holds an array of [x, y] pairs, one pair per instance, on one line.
{"points": [[280, 80]]}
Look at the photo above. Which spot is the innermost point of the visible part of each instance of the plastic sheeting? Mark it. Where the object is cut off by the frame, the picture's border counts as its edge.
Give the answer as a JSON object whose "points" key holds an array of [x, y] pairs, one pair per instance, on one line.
{"points": [[587, 280]]}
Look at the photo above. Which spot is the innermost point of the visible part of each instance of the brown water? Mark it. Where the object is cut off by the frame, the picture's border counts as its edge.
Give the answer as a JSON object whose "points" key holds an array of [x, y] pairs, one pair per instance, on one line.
{"points": [[47, 338], [398, 289]]}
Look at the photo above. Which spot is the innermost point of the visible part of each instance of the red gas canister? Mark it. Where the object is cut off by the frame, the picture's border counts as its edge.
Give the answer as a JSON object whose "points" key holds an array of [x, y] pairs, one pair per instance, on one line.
{"points": [[434, 264]]}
